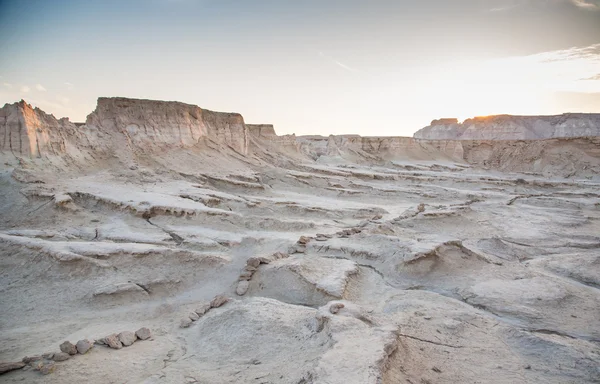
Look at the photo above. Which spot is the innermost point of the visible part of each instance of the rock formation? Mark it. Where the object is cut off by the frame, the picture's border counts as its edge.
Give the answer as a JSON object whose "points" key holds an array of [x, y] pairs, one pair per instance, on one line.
{"points": [[312, 259], [507, 127]]}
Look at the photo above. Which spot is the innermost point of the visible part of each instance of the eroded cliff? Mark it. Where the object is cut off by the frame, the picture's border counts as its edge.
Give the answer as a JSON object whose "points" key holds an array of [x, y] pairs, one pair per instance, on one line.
{"points": [[507, 127]]}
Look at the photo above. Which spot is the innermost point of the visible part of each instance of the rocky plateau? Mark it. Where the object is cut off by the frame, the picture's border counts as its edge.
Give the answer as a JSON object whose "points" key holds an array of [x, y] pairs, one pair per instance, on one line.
{"points": [[469, 253]]}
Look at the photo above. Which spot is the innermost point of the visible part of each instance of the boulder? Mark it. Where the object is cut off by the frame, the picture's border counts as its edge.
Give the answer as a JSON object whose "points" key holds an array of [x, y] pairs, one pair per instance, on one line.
{"points": [[68, 347], [185, 322], [127, 338], [113, 341], [31, 359], [83, 346], [47, 368], [143, 333], [242, 287], [253, 262], [10, 366], [194, 316], [202, 309], [61, 356], [219, 301]]}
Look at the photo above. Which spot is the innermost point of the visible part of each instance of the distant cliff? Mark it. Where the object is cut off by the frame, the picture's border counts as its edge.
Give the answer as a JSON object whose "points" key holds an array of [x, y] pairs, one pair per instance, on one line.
{"points": [[123, 132], [507, 127]]}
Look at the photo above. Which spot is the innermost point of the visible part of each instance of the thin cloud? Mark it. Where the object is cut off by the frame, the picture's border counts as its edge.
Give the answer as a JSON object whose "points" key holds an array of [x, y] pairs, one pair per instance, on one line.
{"points": [[69, 85], [25, 89], [338, 63], [593, 5], [567, 70], [8, 85], [40, 88]]}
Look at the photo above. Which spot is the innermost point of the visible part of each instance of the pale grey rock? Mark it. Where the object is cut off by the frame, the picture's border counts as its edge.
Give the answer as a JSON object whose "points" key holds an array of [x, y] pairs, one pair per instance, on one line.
{"points": [[253, 262], [127, 338], [10, 366], [47, 368], [113, 341], [61, 356], [83, 346], [242, 287], [202, 309], [185, 322], [219, 301], [194, 316], [143, 333], [31, 359]]}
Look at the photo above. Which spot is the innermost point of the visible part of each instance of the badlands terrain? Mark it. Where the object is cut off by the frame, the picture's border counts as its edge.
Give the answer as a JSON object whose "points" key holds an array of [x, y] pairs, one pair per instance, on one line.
{"points": [[467, 254]]}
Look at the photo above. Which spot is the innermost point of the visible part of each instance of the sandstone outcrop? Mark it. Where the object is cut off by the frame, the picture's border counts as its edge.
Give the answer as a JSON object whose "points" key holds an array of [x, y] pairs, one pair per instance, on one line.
{"points": [[507, 127]]}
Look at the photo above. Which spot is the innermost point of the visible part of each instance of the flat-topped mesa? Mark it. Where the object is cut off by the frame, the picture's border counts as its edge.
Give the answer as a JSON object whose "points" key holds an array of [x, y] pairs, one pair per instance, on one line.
{"points": [[507, 127], [147, 123], [28, 132]]}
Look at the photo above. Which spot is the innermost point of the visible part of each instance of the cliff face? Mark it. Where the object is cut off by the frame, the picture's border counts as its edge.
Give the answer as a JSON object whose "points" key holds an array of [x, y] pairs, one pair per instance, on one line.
{"points": [[128, 130], [120, 126], [506, 127], [30, 132], [148, 123]]}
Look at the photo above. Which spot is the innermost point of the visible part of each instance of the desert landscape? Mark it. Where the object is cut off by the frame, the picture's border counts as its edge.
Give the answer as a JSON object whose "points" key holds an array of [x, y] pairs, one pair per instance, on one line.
{"points": [[159, 242]]}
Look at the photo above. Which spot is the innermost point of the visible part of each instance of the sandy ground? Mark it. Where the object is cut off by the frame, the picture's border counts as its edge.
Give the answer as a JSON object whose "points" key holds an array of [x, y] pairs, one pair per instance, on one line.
{"points": [[447, 274]]}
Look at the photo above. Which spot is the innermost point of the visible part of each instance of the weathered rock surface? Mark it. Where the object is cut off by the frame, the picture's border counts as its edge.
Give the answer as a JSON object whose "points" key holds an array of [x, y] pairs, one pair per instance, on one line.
{"points": [[507, 127], [10, 366], [421, 261], [61, 356], [143, 333], [127, 338], [83, 346], [113, 341], [68, 347]]}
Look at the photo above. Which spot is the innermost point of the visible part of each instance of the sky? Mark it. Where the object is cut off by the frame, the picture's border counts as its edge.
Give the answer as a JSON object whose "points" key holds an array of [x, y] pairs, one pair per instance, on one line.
{"points": [[308, 66]]}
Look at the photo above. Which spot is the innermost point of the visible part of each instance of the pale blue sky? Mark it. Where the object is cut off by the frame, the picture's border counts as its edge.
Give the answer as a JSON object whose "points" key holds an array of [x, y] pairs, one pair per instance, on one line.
{"points": [[309, 67]]}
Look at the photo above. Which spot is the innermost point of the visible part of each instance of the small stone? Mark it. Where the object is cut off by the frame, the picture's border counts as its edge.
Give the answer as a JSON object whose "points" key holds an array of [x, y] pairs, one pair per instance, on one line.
{"points": [[528, 366], [202, 309], [303, 240], [61, 356], [185, 322], [68, 347], [250, 268], [421, 207], [47, 368], [436, 369], [335, 308], [427, 317], [143, 333], [10, 366], [219, 301], [319, 238], [194, 316], [83, 346], [31, 359], [48, 355], [253, 262], [242, 288], [127, 338], [246, 275], [113, 341]]}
